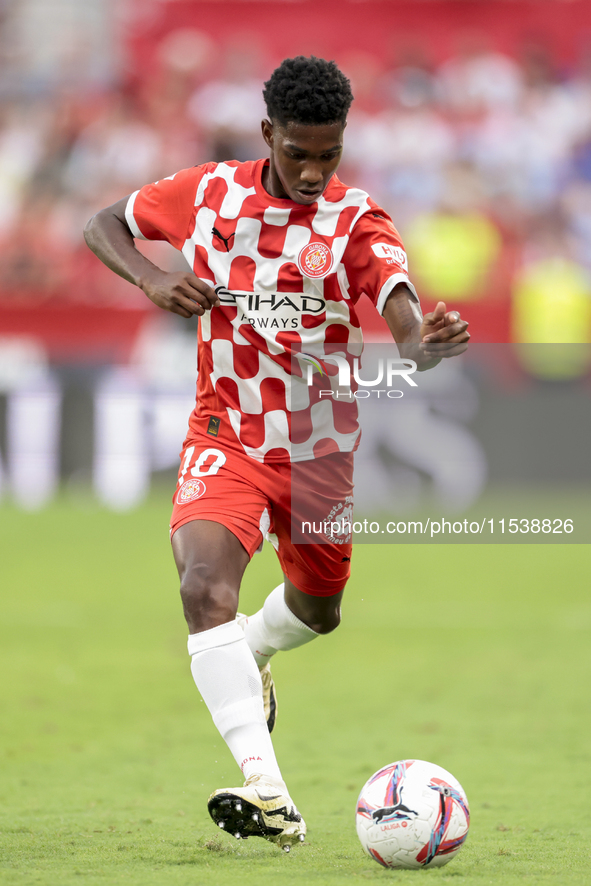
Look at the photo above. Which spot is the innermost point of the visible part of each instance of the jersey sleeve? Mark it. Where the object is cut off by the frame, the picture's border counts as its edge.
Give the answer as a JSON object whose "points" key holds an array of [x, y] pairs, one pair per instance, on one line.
{"points": [[164, 210], [375, 260]]}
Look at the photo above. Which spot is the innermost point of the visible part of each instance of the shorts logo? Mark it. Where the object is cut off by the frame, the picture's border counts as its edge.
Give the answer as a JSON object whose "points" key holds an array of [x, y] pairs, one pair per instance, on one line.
{"points": [[315, 260], [337, 524], [213, 426], [392, 254], [190, 490]]}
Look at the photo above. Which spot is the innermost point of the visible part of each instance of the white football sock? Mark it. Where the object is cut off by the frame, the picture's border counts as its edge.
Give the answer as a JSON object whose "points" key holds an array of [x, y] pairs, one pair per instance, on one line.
{"points": [[275, 627], [230, 684]]}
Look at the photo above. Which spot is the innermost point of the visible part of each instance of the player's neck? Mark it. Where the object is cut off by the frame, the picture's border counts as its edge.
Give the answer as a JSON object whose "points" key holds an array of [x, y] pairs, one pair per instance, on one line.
{"points": [[271, 183]]}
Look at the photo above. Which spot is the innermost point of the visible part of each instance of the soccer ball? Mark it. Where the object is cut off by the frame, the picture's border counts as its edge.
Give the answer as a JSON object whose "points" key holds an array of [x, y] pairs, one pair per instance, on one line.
{"points": [[412, 814]]}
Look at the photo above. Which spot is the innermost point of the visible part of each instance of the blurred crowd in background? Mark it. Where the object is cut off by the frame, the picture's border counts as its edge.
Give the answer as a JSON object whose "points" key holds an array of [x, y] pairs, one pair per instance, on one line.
{"points": [[483, 161]]}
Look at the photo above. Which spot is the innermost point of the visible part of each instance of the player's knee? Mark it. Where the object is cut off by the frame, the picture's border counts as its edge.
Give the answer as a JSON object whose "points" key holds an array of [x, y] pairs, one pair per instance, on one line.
{"points": [[326, 622], [320, 614], [207, 600]]}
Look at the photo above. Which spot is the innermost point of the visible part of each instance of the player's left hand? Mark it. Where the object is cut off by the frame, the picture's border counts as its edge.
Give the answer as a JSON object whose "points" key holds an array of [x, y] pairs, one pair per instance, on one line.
{"points": [[443, 333]]}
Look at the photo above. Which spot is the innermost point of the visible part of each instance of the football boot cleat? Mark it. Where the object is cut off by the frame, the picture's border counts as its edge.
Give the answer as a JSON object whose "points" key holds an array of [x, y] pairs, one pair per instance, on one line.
{"points": [[262, 808]]}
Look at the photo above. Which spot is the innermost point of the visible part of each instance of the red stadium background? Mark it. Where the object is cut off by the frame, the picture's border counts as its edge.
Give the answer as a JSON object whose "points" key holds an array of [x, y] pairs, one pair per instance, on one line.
{"points": [[334, 27], [82, 313]]}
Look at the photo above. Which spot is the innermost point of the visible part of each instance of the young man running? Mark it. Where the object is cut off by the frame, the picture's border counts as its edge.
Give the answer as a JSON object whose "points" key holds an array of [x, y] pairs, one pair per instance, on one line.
{"points": [[280, 252]]}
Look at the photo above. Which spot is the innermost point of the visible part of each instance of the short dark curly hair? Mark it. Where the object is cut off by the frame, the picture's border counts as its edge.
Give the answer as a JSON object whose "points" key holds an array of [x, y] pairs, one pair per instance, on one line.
{"points": [[307, 90]]}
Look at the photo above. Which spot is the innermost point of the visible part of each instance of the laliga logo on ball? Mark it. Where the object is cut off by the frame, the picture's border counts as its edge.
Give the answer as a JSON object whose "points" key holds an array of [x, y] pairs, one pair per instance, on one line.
{"points": [[315, 260]]}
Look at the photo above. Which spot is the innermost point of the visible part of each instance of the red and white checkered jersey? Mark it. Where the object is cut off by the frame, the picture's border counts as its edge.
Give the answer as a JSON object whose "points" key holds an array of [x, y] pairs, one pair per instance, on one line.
{"points": [[288, 277]]}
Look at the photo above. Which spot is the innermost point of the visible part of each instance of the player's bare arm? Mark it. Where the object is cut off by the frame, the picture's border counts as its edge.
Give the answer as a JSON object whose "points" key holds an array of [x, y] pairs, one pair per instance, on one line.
{"points": [[181, 292], [428, 339]]}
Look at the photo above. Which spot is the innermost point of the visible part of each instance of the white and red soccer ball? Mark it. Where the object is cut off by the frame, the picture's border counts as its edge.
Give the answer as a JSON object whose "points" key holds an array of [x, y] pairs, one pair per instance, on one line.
{"points": [[412, 814]]}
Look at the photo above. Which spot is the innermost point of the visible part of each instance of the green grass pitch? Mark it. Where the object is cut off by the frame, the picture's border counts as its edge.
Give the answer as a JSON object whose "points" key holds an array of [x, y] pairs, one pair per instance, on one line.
{"points": [[476, 658]]}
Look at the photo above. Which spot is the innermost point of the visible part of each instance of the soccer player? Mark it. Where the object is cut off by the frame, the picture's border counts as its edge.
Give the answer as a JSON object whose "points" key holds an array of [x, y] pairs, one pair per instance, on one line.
{"points": [[280, 251]]}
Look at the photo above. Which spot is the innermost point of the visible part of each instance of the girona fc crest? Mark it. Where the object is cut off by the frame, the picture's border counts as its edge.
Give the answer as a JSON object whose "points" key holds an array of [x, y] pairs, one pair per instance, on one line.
{"points": [[190, 490], [315, 260]]}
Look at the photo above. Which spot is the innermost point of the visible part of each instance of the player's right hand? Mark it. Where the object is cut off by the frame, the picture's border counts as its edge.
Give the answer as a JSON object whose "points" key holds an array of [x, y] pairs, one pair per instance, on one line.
{"points": [[443, 333], [180, 292]]}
